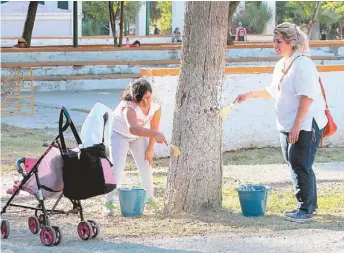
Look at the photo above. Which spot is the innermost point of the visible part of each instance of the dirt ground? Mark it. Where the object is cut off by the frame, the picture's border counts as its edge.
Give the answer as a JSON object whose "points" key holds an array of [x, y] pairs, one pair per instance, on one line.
{"points": [[155, 233]]}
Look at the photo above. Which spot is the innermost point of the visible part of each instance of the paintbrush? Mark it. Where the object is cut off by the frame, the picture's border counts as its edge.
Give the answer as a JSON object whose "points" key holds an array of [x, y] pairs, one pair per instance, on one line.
{"points": [[226, 110], [175, 150]]}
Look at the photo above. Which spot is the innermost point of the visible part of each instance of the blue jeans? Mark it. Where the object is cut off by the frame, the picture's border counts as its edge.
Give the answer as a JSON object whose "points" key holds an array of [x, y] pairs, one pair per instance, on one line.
{"points": [[300, 158]]}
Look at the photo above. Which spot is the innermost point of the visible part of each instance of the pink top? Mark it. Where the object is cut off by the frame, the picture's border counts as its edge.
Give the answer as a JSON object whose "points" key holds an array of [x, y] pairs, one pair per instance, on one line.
{"points": [[119, 125]]}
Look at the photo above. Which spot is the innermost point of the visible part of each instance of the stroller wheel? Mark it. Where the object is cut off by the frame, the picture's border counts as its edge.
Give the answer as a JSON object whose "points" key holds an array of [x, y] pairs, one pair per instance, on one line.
{"points": [[34, 224], [48, 235], [58, 235], [43, 221], [95, 228], [5, 229], [84, 230]]}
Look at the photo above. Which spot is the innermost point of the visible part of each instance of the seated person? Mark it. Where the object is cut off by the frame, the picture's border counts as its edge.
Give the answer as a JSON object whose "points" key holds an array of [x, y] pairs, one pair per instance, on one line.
{"points": [[156, 30], [136, 44], [176, 37], [240, 33], [21, 43]]}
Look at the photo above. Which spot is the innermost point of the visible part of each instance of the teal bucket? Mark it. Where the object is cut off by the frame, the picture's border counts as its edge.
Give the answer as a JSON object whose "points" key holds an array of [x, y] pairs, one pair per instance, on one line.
{"points": [[132, 201], [253, 199]]}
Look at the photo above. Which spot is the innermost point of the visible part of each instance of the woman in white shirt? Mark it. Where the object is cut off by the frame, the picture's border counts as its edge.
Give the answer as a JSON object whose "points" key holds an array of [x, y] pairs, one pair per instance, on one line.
{"points": [[135, 120], [300, 111]]}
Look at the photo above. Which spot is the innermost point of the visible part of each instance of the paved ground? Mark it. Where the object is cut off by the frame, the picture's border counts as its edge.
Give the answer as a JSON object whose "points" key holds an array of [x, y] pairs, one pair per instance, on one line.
{"points": [[48, 105], [297, 241]]}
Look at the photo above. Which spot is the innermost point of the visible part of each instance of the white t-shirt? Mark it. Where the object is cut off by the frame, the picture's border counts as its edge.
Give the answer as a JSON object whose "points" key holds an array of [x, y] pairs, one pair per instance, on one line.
{"points": [[301, 79], [119, 125]]}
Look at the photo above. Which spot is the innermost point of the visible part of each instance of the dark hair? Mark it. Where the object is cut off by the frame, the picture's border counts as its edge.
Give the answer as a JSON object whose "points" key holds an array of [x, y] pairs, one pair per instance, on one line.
{"points": [[137, 42], [136, 90]]}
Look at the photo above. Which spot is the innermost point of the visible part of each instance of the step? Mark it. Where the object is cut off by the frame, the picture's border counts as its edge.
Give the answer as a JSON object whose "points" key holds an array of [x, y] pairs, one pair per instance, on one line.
{"points": [[61, 69], [162, 54]]}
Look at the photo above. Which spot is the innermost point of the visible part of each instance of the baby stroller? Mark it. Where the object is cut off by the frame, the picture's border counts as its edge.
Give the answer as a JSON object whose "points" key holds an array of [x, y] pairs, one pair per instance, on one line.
{"points": [[64, 172]]}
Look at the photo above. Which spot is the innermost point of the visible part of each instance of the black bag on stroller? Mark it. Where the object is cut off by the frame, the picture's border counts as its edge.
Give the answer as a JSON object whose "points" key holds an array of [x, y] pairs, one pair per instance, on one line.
{"points": [[87, 171]]}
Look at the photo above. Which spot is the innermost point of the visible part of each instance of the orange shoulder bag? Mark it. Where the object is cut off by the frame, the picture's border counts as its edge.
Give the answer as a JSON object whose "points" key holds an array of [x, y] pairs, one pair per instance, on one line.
{"points": [[331, 126]]}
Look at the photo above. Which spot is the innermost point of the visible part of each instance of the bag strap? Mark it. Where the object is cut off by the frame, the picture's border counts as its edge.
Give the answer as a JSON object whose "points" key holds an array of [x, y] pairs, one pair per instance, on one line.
{"points": [[320, 82], [323, 92], [321, 86], [286, 72], [70, 124], [105, 117]]}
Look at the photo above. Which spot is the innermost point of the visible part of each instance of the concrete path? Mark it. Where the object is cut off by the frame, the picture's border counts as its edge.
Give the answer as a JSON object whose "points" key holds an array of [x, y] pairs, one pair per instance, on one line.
{"points": [[48, 105]]}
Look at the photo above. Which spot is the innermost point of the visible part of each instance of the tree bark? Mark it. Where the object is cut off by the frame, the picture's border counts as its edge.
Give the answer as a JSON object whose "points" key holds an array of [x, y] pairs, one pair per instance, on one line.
{"points": [[30, 22], [195, 177], [112, 22], [232, 8], [313, 18], [121, 24]]}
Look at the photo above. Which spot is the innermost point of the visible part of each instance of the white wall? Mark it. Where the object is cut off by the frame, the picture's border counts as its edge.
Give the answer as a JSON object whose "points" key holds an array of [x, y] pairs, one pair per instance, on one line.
{"points": [[107, 40], [140, 21], [131, 54], [54, 26], [178, 15], [50, 21], [253, 125], [272, 23]]}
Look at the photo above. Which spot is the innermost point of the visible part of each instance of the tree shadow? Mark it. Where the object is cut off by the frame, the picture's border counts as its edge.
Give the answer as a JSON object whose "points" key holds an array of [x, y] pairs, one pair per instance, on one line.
{"points": [[270, 222]]}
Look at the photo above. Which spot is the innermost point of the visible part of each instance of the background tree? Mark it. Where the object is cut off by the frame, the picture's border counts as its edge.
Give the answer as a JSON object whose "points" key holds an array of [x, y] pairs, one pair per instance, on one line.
{"points": [[96, 16], [302, 13], [161, 15], [195, 177], [313, 18], [121, 23], [30, 22], [232, 8], [337, 8], [112, 15], [256, 16]]}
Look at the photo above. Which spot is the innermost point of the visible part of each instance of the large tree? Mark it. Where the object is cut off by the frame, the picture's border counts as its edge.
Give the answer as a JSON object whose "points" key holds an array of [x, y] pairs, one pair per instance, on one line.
{"points": [[195, 177], [30, 22]]}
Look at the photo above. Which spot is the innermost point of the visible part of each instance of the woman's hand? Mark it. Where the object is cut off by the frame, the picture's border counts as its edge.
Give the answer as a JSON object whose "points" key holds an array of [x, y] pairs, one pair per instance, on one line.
{"points": [[242, 97], [160, 138], [294, 134], [149, 156]]}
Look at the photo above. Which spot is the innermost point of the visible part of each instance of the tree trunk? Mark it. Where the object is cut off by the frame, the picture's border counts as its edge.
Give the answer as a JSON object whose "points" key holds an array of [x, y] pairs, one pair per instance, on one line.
{"points": [[313, 18], [195, 177], [121, 24], [112, 22], [232, 8], [29, 22]]}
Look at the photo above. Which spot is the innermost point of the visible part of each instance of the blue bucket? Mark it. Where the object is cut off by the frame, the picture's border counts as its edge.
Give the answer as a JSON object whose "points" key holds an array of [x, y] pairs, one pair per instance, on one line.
{"points": [[253, 199], [132, 201]]}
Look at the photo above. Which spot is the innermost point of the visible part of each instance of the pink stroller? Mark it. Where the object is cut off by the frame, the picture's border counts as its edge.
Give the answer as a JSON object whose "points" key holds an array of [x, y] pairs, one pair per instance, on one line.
{"points": [[49, 176]]}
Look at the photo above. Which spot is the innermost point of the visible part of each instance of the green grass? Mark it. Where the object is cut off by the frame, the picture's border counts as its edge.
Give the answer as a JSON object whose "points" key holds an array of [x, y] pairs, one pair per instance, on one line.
{"points": [[330, 197], [17, 142]]}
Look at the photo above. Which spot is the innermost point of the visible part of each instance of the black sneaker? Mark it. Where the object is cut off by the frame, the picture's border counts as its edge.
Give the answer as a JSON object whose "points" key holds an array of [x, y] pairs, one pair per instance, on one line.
{"points": [[299, 217]]}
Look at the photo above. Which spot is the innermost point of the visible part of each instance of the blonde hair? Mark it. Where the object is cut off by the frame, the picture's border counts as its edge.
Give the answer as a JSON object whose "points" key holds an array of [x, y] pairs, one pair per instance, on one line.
{"points": [[293, 34]]}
